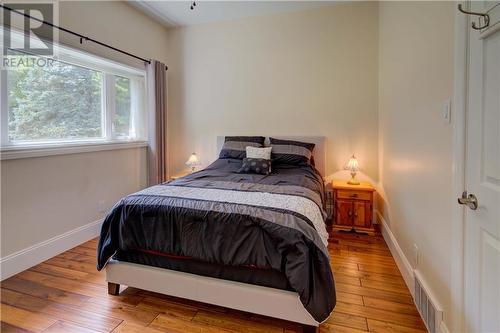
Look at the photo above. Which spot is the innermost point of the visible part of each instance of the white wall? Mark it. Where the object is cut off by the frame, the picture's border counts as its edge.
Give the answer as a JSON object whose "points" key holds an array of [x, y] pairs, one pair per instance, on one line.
{"points": [[311, 72], [415, 78], [45, 197]]}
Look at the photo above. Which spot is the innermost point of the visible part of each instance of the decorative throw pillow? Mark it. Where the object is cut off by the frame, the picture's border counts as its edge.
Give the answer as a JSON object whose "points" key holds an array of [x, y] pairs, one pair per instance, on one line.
{"points": [[264, 153], [291, 152], [256, 165], [235, 146]]}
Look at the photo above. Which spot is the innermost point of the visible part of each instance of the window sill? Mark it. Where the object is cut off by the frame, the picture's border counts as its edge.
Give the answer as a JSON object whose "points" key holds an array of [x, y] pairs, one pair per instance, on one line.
{"points": [[18, 152]]}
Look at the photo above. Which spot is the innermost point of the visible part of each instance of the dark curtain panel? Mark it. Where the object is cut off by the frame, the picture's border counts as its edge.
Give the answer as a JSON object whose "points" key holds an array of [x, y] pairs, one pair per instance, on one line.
{"points": [[157, 122]]}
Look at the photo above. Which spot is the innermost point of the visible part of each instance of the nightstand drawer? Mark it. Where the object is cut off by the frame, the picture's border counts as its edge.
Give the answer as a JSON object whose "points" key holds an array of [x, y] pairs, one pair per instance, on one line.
{"points": [[359, 195]]}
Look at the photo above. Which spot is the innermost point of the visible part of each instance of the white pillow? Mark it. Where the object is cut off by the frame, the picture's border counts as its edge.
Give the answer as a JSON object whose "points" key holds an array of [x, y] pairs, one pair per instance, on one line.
{"points": [[253, 152]]}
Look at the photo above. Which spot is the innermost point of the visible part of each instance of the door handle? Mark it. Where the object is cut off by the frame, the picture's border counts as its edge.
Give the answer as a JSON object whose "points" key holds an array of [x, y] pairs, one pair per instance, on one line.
{"points": [[468, 200]]}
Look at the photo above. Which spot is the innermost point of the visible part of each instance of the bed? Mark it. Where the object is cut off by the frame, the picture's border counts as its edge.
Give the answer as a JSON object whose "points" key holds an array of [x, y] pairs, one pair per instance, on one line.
{"points": [[244, 241]]}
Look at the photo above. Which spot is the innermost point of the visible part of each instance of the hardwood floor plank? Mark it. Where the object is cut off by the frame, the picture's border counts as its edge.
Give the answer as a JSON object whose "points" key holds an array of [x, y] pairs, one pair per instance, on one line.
{"points": [[45, 307], [359, 239], [90, 252], [375, 293], [345, 319], [8, 328], [349, 298], [335, 251], [74, 264], [397, 288], [126, 327], [344, 278], [41, 291], [343, 264], [387, 270], [377, 326], [27, 320], [383, 278], [332, 328], [390, 306], [170, 308], [67, 294], [233, 322], [368, 275], [118, 310], [166, 323], [180, 301], [367, 260], [380, 314], [86, 289], [65, 255], [355, 249], [65, 327], [59, 271]]}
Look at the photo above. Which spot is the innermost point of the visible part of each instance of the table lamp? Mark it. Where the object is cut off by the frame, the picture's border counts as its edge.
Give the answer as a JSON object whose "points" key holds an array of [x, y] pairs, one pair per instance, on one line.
{"points": [[193, 162], [352, 166]]}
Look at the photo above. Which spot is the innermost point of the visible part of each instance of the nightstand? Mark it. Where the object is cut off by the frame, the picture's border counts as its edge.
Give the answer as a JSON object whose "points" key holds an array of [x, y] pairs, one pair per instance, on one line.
{"points": [[353, 206], [180, 174]]}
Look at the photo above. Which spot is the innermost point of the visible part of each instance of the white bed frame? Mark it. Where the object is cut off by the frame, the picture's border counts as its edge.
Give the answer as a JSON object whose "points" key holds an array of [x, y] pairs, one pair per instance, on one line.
{"points": [[265, 301]]}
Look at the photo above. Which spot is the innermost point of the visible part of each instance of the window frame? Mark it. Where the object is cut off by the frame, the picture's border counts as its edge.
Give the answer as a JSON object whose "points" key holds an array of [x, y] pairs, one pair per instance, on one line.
{"points": [[109, 70]]}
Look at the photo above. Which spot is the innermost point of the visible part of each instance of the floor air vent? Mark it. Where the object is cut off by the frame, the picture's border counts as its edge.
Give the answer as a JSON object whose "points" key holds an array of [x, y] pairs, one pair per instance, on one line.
{"points": [[430, 313]]}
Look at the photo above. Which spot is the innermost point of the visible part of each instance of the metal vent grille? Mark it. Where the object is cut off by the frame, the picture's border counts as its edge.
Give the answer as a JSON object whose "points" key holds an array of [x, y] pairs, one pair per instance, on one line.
{"points": [[430, 314]]}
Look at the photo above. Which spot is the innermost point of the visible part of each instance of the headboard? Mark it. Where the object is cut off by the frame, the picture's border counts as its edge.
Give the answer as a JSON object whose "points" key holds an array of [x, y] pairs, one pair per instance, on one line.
{"points": [[319, 150]]}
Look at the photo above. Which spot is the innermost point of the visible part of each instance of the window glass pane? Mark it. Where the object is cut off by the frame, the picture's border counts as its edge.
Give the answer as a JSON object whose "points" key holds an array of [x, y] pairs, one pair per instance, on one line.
{"points": [[121, 122], [62, 101]]}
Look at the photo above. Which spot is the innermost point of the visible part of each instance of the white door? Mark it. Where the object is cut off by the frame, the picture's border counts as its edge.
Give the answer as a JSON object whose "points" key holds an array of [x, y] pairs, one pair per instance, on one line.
{"points": [[482, 226]]}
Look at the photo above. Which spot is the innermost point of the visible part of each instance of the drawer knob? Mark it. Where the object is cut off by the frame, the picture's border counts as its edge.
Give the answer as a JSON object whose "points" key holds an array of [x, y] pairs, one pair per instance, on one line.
{"points": [[354, 195]]}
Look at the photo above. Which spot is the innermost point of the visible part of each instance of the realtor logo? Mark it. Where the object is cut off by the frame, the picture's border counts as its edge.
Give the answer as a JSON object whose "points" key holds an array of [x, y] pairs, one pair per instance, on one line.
{"points": [[38, 37]]}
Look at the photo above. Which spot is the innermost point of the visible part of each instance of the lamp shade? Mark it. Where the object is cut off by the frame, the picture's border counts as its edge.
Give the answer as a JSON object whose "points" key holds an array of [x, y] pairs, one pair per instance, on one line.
{"points": [[193, 160], [352, 165]]}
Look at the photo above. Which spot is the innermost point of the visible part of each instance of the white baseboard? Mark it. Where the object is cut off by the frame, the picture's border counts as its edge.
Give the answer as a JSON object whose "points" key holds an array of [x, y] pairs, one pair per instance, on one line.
{"points": [[35, 254], [443, 328], [403, 263]]}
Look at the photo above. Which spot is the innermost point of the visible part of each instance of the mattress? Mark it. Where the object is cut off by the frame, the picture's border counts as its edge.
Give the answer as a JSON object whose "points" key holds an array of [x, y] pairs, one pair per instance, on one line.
{"points": [[265, 277], [217, 216]]}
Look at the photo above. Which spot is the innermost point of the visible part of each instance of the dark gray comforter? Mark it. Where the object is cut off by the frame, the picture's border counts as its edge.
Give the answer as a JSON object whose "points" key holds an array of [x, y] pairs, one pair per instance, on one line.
{"points": [[215, 215]]}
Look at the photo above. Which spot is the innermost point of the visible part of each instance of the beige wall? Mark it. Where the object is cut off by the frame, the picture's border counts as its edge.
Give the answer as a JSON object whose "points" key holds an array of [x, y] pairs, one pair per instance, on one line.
{"points": [[375, 88], [45, 197], [304, 73], [416, 77]]}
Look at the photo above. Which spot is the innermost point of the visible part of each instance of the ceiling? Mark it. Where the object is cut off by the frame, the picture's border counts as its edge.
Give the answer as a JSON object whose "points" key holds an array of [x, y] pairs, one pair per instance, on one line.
{"points": [[178, 13]]}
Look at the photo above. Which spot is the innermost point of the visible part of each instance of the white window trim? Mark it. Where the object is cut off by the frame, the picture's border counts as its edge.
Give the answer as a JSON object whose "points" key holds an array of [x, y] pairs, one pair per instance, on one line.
{"points": [[30, 151], [64, 147], [109, 103]]}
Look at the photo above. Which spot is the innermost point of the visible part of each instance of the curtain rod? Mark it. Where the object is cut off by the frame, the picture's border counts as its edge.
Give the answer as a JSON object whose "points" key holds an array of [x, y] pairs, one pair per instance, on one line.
{"points": [[82, 37]]}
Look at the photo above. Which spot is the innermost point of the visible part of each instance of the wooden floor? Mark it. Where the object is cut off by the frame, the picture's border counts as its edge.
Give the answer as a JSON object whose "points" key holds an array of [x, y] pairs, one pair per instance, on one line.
{"points": [[67, 294]]}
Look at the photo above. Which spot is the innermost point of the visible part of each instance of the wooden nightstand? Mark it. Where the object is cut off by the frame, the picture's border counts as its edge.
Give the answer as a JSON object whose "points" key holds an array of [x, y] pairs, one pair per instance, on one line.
{"points": [[180, 174], [353, 206]]}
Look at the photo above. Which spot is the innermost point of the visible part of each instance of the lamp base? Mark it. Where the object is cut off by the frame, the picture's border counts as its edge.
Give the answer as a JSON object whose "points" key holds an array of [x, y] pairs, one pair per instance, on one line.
{"points": [[353, 181]]}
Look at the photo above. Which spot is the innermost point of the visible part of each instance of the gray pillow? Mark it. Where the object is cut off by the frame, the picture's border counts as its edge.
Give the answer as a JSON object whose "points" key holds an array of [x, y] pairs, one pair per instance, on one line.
{"points": [[256, 165], [235, 146], [291, 152]]}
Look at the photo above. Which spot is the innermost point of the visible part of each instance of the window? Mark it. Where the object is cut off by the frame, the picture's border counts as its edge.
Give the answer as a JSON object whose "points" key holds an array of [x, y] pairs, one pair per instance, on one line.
{"points": [[79, 98], [121, 123], [61, 102]]}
